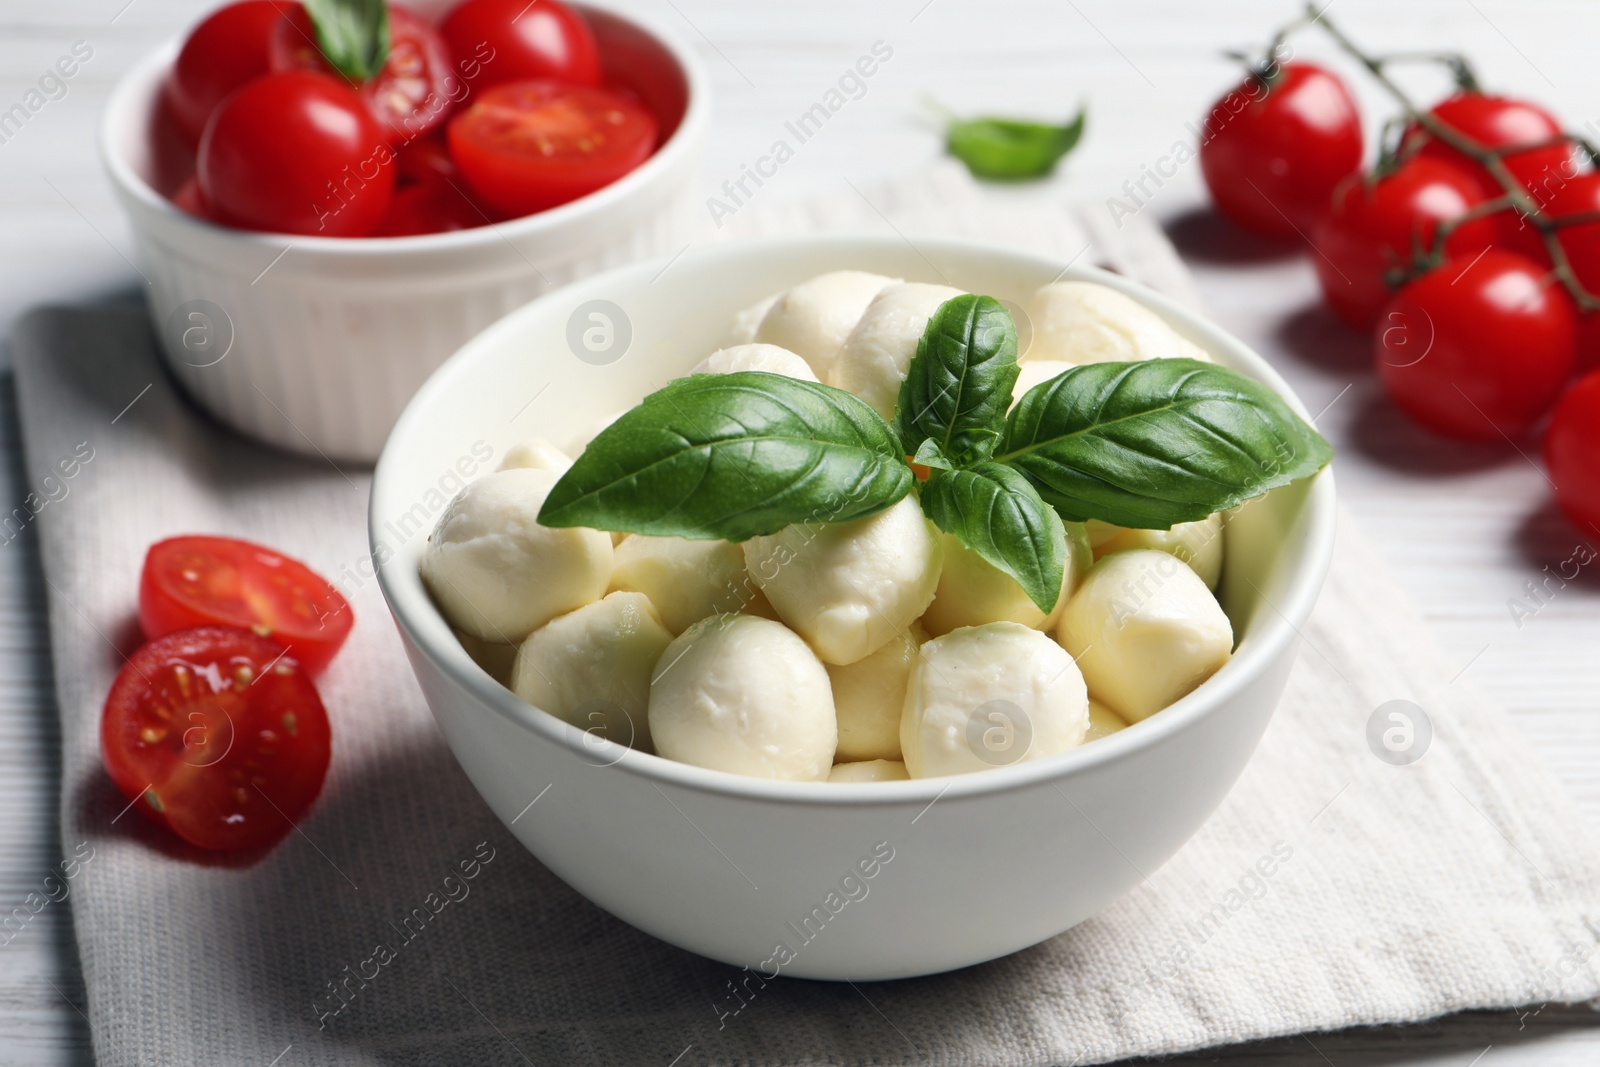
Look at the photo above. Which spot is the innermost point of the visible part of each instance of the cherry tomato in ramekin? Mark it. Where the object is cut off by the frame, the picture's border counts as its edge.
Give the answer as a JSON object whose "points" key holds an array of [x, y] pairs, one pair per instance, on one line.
{"points": [[527, 146]]}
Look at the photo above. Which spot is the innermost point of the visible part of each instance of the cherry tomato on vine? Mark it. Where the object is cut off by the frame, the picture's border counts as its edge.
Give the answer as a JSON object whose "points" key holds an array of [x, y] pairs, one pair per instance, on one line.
{"points": [[297, 152], [208, 581], [1572, 453], [531, 145], [1376, 226], [1495, 122], [217, 734], [1479, 348], [516, 40], [1581, 243], [227, 49], [410, 97], [1272, 156]]}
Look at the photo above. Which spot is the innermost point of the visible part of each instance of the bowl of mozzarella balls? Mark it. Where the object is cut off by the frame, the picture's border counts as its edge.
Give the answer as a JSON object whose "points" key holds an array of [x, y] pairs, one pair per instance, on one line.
{"points": [[852, 608]]}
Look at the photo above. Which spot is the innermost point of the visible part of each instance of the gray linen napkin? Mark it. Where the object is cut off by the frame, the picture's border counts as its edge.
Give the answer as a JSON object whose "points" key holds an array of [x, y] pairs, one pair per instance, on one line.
{"points": [[1333, 888]]}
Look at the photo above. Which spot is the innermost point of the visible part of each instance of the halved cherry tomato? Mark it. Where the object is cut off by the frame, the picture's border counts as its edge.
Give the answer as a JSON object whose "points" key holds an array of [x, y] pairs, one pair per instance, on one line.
{"points": [[226, 50], [217, 734], [414, 92], [204, 581], [531, 145], [504, 41], [1572, 453], [1479, 348], [297, 152], [1497, 122], [1273, 153], [1377, 226]]}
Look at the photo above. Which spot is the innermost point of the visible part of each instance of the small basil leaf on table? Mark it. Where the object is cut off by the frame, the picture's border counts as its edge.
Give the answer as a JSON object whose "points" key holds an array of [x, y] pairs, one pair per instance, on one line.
{"points": [[996, 512], [1156, 443], [353, 35], [958, 385], [733, 456], [1010, 149]]}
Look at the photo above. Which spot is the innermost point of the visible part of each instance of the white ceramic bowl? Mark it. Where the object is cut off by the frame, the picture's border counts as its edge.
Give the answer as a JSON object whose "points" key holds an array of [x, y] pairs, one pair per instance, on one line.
{"points": [[315, 344], [730, 867]]}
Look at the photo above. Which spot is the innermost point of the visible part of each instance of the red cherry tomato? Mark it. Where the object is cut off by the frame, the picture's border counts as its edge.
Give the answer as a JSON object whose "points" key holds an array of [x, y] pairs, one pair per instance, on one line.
{"points": [[500, 41], [188, 198], [1581, 243], [1272, 157], [1572, 453], [1478, 348], [429, 208], [217, 734], [1495, 122], [209, 581], [414, 92], [297, 152], [1376, 226], [527, 146], [226, 50]]}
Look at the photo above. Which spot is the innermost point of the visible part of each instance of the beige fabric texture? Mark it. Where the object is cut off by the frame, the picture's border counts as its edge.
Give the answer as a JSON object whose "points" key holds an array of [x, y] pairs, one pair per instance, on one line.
{"points": [[1331, 889]]}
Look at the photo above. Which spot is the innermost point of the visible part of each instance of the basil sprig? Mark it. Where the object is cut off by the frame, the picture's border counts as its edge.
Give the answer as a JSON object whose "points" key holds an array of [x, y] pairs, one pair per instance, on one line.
{"points": [[733, 456], [1002, 149], [352, 35], [1147, 444]]}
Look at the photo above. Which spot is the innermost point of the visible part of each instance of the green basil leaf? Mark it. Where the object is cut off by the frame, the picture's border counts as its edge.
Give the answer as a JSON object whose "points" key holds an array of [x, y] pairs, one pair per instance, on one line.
{"points": [[996, 512], [733, 456], [1011, 149], [930, 455], [353, 35], [959, 383], [1156, 443]]}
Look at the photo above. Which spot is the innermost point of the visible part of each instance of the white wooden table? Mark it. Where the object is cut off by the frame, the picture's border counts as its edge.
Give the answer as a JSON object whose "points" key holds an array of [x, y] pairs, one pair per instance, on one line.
{"points": [[1464, 528]]}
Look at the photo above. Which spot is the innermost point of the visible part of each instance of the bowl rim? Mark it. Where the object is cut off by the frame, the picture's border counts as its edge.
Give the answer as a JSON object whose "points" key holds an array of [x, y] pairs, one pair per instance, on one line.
{"points": [[689, 133], [1271, 634]]}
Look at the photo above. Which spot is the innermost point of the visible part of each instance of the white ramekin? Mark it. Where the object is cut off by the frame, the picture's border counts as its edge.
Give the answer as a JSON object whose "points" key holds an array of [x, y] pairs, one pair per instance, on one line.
{"points": [[315, 344], [978, 865]]}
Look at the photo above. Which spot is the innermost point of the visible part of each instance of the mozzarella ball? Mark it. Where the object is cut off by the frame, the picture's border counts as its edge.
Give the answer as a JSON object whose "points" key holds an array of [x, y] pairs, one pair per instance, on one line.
{"points": [[972, 591], [1145, 630], [1103, 722], [1082, 322], [499, 575], [1036, 372], [494, 657], [769, 358], [849, 587], [813, 319], [873, 360], [592, 667], [989, 696], [744, 694], [1199, 544], [868, 695], [687, 580], [536, 454], [875, 770], [742, 330]]}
